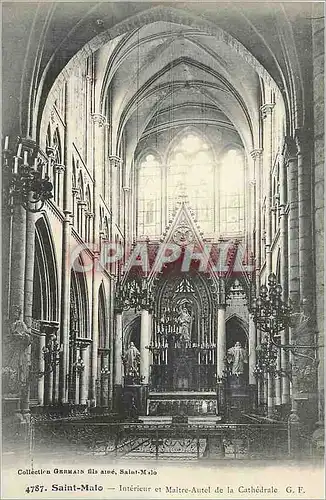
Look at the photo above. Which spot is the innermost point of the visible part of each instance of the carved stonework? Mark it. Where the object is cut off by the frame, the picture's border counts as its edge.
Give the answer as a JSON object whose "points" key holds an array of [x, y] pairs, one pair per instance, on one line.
{"points": [[98, 119], [290, 149], [183, 235], [256, 153], [60, 168], [115, 161], [305, 363], [16, 364], [266, 110]]}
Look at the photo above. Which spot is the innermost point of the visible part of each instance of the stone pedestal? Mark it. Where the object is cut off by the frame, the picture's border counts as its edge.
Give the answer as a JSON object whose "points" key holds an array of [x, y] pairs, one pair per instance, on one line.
{"points": [[214, 448], [118, 399], [132, 401]]}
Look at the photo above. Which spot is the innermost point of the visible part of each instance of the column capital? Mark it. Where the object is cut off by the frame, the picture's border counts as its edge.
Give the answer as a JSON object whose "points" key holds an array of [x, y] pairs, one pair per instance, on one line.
{"points": [[221, 306], [266, 109], [98, 119], [256, 153], [115, 161], [60, 168], [299, 139], [290, 149]]}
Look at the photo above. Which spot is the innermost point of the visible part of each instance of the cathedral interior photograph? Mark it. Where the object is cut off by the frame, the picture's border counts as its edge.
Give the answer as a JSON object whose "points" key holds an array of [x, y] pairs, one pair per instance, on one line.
{"points": [[163, 230]]}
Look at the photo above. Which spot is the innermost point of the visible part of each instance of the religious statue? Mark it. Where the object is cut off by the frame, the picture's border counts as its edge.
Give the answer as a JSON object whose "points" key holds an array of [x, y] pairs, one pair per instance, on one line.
{"points": [[132, 361], [185, 321], [238, 357], [17, 347]]}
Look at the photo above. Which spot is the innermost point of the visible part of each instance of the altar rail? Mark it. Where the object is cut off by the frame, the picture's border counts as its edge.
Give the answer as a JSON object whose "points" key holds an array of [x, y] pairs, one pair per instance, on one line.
{"points": [[161, 441]]}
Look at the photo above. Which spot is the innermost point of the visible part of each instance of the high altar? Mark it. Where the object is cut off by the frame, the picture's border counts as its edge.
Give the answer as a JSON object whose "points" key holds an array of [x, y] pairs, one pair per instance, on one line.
{"points": [[187, 328]]}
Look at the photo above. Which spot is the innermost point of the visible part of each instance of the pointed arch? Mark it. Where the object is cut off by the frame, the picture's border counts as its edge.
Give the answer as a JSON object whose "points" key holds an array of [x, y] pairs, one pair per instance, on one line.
{"points": [[102, 317], [45, 289], [236, 330], [79, 300], [188, 130], [131, 333], [190, 175]]}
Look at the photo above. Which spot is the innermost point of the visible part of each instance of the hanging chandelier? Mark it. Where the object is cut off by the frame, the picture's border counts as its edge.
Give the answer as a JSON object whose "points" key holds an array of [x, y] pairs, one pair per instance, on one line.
{"points": [[24, 168], [270, 313]]}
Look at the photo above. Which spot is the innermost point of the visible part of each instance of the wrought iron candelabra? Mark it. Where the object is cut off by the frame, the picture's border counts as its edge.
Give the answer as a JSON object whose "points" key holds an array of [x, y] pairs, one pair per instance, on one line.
{"points": [[133, 294], [266, 359], [270, 313], [24, 170]]}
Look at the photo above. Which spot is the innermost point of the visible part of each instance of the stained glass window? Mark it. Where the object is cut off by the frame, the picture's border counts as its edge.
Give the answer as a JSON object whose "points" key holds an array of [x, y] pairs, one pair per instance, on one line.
{"points": [[149, 197], [232, 193], [190, 177]]}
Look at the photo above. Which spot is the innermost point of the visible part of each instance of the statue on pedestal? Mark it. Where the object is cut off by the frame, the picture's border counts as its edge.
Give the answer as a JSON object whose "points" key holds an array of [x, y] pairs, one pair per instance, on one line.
{"points": [[132, 362], [185, 321], [237, 357], [17, 363]]}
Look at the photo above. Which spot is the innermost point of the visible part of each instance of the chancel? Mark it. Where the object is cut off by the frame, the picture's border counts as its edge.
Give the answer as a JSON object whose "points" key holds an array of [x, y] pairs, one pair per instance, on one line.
{"points": [[163, 228]]}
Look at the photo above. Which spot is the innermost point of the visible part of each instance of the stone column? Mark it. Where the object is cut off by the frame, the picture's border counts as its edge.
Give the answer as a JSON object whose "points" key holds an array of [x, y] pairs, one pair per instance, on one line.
{"points": [[77, 377], [65, 307], [118, 365], [28, 292], [252, 350], [284, 361], [99, 134], [81, 209], [126, 218], [83, 376], [105, 376], [109, 342], [293, 238], [221, 340], [266, 111], [257, 157], [40, 384], [95, 332], [107, 185], [18, 258], [118, 377], [89, 106], [293, 229], [318, 44], [59, 171], [65, 252], [305, 226], [145, 332], [115, 163]]}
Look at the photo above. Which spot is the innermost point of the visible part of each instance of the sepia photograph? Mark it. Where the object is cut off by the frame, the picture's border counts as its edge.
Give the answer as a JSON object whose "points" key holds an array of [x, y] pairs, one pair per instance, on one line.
{"points": [[163, 250]]}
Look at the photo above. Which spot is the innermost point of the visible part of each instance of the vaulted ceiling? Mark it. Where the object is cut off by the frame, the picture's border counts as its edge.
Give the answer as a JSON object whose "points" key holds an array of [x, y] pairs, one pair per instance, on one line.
{"points": [[160, 62], [166, 68]]}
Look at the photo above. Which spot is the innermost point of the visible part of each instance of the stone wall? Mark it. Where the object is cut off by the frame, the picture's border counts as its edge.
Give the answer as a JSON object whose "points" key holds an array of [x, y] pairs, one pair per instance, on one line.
{"points": [[318, 90]]}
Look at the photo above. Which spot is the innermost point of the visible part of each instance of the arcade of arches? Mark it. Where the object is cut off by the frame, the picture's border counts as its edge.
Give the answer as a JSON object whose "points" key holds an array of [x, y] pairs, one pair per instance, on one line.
{"points": [[181, 126]]}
